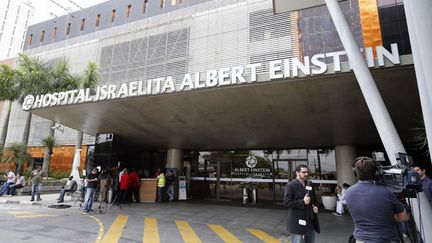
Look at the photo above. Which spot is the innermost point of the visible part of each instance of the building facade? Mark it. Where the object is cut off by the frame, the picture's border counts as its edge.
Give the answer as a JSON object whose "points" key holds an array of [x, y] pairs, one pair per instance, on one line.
{"points": [[226, 89]]}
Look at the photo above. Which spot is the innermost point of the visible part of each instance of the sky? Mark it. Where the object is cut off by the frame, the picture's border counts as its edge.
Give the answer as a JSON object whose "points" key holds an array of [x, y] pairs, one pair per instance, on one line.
{"points": [[48, 9]]}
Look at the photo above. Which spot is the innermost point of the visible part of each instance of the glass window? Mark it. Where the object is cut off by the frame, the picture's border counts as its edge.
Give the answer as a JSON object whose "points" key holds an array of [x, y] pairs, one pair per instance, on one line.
{"points": [[97, 19]]}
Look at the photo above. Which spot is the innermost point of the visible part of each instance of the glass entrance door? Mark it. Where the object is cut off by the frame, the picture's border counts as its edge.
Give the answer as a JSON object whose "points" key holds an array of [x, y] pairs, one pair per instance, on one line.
{"points": [[220, 182]]}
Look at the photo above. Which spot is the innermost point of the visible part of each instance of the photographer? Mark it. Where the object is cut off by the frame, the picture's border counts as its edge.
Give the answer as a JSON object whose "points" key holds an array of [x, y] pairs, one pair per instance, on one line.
{"points": [[374, 209]]}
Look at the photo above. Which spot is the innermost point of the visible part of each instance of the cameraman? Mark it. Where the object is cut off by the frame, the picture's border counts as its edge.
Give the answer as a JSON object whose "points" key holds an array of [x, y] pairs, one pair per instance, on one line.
{"points": [[374, 208]]}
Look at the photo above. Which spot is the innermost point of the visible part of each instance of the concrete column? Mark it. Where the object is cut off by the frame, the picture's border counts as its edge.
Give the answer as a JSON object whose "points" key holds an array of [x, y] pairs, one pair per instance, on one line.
{"points": [[345, 155], [175, 159]]}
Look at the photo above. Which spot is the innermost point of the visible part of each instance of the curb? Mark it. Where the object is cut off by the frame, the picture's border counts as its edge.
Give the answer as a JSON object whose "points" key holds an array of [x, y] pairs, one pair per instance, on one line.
{"points": [[22, 202]]}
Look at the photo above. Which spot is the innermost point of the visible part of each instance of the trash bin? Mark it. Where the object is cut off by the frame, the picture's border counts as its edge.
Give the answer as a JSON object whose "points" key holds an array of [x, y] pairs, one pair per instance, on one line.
{"points": [[245, 195], [253, 195]]}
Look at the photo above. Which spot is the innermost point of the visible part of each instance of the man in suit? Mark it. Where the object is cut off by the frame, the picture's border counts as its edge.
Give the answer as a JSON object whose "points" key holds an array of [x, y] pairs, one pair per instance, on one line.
{"points": [[302, 209]]}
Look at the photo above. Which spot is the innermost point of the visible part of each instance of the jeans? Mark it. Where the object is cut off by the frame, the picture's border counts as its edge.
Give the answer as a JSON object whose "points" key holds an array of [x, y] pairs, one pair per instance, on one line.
{"points": [[36, 187], [62, 194], [160, 194], [13, 189], [309, 237], [88, 200], [5, 188], [170, 192]]}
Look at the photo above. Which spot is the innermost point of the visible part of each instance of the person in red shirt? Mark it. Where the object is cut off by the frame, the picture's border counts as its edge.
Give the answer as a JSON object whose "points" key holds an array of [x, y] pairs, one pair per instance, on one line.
{"points": [[134, 185], [125, 185]]}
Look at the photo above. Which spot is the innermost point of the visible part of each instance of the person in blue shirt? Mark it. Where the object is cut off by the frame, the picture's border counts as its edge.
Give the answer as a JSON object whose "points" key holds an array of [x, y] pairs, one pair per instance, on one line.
{"points": [[373, 208]]}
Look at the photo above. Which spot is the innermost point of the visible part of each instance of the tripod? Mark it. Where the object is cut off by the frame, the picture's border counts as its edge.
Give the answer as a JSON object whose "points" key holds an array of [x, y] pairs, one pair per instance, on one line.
{"points": [[80, 197], [103, 205]]}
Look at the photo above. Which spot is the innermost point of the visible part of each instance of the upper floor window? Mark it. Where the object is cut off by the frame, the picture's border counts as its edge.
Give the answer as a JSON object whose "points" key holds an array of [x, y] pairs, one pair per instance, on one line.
{"points": [[162, 3], [145, 5], [30, 39], [54, 33], [128, 11], [113, 15], [82, 24], [98, 20], [42, 36], [68, 28]]}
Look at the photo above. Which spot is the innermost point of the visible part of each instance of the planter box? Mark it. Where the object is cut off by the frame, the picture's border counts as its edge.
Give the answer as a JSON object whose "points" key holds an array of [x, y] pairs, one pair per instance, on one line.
{"points": [[329, 202]]}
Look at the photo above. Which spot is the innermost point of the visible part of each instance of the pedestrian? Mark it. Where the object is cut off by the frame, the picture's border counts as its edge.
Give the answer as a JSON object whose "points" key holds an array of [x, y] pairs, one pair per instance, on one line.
{"points": [[302, 208], [71, 186], [91, 185], [10, 176], [19, 183], [36, 182], [341, 202], [125, 185], [426, 182], [135, 183], [373, 208], [161, 185], [170, 179]]}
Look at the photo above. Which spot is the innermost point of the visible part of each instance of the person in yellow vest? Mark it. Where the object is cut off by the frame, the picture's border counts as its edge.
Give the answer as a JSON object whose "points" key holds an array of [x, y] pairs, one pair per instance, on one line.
{"points": [[161, 186]]}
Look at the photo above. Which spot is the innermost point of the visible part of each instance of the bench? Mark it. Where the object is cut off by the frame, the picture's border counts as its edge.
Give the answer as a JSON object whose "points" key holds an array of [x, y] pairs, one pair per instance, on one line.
{"points": [[45, 189]]}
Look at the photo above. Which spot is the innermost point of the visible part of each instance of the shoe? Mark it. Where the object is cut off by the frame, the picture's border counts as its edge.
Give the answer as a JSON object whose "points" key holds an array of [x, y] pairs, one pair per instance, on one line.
{"points": [[39, 199], [58, 201], [9, 195], [31, 200], [337, 214]]}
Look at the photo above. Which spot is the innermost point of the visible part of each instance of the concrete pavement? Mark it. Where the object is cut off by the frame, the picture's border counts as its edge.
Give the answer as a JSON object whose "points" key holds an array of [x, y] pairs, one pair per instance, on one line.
{"points": [[271, 222]]}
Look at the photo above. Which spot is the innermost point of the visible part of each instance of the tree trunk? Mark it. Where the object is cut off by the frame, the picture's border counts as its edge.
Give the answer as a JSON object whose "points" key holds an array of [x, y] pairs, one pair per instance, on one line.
{"points": [[5, 129], [20, 163], [47, 155], [26, 134]]}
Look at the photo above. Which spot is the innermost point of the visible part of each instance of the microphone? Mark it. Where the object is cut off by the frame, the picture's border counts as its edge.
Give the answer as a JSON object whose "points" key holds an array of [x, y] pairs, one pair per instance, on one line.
{"points": [[309, 187]]}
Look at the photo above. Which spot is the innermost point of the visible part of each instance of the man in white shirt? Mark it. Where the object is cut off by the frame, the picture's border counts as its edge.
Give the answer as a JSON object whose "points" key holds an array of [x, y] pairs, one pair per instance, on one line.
{"points": [[10, 181], [19, 183]]}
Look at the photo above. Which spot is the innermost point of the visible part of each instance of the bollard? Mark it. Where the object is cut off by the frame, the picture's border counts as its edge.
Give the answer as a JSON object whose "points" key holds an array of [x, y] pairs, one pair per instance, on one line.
{"points": [[245, 195], [254, 195]]}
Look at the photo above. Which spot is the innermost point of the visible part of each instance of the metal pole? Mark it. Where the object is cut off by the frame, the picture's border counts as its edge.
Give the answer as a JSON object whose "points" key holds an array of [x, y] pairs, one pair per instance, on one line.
{"points": [[419, 19], [380, 115]]}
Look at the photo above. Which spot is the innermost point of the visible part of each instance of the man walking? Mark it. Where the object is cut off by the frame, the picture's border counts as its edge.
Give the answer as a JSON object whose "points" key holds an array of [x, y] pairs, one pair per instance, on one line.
{"points": [[36, 181], [373, 208], [302, 210], [92, 183], [170, 179]]}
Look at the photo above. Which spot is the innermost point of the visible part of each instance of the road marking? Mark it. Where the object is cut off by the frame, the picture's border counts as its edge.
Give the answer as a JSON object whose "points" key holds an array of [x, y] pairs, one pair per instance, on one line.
{"points": [[29, 215], [262, 235], [116, 229], [187, 233], [151, 232], [101, 228], [224, 234]]}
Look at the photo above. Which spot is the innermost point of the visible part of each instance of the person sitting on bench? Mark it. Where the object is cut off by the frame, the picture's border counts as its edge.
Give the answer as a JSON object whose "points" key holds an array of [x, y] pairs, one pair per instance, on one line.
{"points": [[19, 183], [71, 186]]}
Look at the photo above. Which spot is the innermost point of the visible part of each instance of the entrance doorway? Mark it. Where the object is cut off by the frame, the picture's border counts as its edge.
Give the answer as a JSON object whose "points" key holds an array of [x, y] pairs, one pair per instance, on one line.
{"points": [[220, 181]]}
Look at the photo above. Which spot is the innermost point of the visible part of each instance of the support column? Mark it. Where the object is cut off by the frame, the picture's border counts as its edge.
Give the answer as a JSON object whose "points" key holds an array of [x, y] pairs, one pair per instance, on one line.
{"points": [[175, 160], [345, 155]]}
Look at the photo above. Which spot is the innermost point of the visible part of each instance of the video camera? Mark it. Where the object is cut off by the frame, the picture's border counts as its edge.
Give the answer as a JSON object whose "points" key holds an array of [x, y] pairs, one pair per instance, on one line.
{"points": [[399, 178]]}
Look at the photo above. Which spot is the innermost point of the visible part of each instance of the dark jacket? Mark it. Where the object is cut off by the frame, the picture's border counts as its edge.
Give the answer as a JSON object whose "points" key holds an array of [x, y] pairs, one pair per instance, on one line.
{"points": [[300, 216]]}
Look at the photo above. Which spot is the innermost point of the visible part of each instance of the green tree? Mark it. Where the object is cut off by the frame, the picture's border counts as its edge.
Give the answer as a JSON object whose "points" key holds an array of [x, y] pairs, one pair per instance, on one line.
{"points": [[9, 91], [18, 153]]}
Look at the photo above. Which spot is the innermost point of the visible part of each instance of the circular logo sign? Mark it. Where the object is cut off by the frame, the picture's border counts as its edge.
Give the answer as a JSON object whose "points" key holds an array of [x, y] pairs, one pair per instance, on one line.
{"points": [[251, 161], [28, 102]]}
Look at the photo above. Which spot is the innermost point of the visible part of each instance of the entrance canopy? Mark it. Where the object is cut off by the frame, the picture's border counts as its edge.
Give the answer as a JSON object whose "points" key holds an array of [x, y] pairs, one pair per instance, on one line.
{"points": [[313, 112]]}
